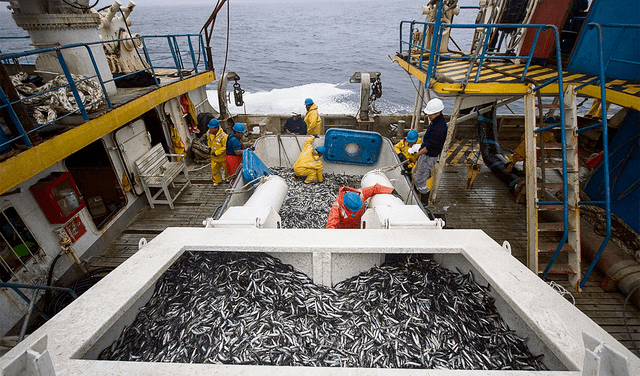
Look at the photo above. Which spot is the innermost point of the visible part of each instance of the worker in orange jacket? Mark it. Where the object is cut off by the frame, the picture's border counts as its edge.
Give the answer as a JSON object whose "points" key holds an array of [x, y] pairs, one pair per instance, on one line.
{"points": [[348, 208]]}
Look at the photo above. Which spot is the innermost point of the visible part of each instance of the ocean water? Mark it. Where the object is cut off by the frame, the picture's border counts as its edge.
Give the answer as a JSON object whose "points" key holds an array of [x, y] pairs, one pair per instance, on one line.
{"points": [[285, 52]]}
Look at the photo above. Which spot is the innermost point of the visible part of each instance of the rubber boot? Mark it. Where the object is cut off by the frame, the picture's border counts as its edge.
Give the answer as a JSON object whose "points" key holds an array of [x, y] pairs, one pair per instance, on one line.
{"points": [[424, 198]]}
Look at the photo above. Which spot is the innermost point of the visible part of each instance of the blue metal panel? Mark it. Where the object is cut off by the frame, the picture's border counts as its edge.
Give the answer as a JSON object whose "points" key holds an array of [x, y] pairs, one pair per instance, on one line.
{"points": [[253, 167], [352, 146], [624, 159], [620, 44]]}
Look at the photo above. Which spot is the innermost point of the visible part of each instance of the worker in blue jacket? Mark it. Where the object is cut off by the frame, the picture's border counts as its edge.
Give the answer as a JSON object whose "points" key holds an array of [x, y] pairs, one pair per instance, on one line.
{"points": [[430, 149]]}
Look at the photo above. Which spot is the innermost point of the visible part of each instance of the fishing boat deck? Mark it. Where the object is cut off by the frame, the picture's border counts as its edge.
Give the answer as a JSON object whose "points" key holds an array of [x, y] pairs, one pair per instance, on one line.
{"points": [[504, 78], [488, 205], [71, 133]]}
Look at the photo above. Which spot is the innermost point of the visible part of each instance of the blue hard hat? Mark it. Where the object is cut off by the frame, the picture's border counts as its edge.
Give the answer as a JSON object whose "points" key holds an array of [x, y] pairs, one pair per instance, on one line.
{"points": [[412, 136], [352, 201], [239, 127], [213, 123], [321, 149], [308, 101]]}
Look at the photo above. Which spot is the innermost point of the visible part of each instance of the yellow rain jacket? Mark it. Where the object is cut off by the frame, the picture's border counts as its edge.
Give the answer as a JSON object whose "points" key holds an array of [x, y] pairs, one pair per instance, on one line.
{"points": [[402, 147], [309, 163], [176, 140], [312, 118], [218, 144]]}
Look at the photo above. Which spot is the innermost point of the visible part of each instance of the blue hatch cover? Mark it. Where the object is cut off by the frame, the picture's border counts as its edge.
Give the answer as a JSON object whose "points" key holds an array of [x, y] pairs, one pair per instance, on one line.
{"points": [[253, 167], [352, 146]]}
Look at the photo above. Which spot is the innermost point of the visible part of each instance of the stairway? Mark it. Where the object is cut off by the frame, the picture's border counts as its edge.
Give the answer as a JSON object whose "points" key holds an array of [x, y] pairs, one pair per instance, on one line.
{"points": [[553, 247]]}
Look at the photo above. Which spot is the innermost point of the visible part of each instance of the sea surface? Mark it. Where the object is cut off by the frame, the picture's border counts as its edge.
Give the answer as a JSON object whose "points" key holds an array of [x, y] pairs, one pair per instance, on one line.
{"points": [[285, 52]]}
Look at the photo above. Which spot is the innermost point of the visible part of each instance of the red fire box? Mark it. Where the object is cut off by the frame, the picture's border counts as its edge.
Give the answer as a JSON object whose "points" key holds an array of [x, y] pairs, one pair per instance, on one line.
{"points": [[58, 197]]}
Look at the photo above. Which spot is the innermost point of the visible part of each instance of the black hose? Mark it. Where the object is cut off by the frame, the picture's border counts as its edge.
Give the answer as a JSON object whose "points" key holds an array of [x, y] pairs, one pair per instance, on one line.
{"points": [[492, 154], [85, 282], [48, 293]]}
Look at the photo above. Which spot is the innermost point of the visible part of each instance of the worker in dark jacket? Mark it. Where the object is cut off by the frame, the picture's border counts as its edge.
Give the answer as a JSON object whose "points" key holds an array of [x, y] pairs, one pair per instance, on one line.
{"points": [[348, 208], [295, 124], [234, 148], [430, 149]]}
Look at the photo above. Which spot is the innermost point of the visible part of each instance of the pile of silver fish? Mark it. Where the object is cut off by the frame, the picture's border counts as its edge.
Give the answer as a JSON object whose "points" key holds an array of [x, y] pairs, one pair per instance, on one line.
{"points": [[308, 205], [250, 308]]}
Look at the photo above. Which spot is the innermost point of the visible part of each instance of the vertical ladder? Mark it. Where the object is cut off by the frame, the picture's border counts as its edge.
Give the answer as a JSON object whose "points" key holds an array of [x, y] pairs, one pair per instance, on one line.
{"points": [[539, 232]]}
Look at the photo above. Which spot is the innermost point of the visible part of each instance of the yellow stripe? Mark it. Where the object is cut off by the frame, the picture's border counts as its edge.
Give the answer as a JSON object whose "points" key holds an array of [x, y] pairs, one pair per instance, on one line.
{"points": [[625, 99], [417, 73], [574, 77], [615, 97], [27, 164]]}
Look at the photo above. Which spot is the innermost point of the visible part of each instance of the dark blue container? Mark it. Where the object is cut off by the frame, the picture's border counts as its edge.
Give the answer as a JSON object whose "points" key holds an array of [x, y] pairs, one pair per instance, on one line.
{"points": [[352, 146], [624, 172], [5, 146]]}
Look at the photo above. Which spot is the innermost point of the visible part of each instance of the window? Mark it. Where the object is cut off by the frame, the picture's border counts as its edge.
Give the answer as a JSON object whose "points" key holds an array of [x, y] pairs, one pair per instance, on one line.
{"points": [[17, 244]]}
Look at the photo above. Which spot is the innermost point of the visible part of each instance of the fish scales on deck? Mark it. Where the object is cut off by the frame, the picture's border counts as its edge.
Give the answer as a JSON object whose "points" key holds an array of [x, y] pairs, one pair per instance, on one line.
{"points": [[214, 307]]}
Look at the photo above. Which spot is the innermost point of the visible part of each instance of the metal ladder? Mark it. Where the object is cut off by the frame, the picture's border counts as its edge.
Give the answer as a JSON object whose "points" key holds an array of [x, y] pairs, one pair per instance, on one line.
{"points": [[569, 226]]}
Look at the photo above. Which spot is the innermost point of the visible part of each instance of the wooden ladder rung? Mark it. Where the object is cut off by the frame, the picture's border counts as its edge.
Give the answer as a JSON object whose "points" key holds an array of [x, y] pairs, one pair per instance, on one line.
{"points": [[548, 247], [550, 186], [551, 226], [550, 146], [558, 269], [550, 207], [554, 165]]}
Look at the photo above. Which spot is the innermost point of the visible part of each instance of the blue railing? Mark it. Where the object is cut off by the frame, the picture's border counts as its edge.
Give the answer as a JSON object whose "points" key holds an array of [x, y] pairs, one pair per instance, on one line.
{"points": [[181, 61], [18, 38], [484, 55], [605, 135]]}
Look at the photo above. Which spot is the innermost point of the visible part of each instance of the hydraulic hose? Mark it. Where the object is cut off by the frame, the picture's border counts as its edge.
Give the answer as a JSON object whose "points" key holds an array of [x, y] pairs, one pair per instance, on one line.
{"points": [[492, 154], [47, 294]]}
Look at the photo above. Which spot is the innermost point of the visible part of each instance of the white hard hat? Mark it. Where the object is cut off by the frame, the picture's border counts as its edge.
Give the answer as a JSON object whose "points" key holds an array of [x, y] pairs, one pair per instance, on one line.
{"points": [[434, 106]]}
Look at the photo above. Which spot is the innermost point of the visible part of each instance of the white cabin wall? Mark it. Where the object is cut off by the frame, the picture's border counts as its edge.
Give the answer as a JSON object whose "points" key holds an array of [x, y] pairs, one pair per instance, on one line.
{"points": [[12, 306]]}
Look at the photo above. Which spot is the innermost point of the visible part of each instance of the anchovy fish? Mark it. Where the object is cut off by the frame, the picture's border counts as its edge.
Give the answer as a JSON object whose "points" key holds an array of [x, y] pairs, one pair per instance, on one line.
{"points": [[308, 205], [250, 308]]}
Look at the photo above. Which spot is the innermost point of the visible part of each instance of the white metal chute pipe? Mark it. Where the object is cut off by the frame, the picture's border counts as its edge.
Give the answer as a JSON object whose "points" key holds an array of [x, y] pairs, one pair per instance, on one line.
{"points": [[369, 180], [271, 192]]}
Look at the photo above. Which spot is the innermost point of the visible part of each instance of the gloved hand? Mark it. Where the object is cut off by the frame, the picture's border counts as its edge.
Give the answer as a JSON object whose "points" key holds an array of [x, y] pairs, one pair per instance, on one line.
{"points": [[395, 193], [402, 157]]}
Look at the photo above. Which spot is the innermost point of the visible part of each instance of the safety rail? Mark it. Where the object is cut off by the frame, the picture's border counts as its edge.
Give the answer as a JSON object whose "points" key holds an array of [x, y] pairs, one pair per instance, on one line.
{"points": [[36, 289], [601, 79], [174, 41], [435, 55], [479, 58], [23, 37]]}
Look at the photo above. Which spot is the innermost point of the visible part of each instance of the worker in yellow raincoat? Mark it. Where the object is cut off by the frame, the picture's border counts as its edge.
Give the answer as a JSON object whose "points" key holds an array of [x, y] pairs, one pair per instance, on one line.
{"points": [[309, 164], [312, 118], [217, 142], [402, 149]]}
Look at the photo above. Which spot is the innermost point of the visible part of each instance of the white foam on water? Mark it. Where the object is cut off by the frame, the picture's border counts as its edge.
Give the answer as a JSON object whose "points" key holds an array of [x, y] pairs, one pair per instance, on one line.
{"points": [[330, 99]]}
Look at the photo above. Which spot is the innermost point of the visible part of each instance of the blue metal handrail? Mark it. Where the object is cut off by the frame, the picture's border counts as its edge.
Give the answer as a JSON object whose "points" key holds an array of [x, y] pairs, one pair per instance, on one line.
{"points": [[17, 286], [435, 55], [605, 146], [176, 57], [9, 38]]}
